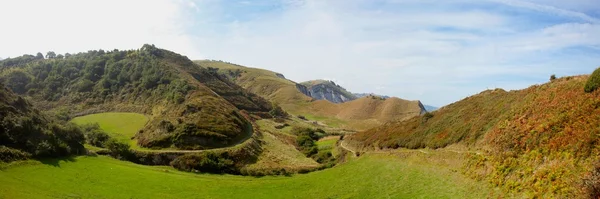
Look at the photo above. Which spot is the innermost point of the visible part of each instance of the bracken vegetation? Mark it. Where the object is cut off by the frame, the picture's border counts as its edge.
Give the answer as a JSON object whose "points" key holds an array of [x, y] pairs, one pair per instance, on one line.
{"points": [[540, 141]]}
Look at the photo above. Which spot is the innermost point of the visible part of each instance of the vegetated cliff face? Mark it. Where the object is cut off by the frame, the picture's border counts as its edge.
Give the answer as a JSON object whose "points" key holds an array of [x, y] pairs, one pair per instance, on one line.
{"points": [[328, 90], [25, 131], [542, 141], [190, 107]]}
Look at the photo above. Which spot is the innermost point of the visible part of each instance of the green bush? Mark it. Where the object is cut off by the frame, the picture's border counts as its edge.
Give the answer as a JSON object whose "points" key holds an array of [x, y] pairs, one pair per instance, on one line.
{"points": [[94, 135], [118, 149], [593, 82], [209, 162], [10, 154]]}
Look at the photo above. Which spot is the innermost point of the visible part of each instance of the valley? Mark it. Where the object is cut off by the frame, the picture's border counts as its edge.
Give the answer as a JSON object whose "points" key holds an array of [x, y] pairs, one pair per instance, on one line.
{"points": [[150, 123]]}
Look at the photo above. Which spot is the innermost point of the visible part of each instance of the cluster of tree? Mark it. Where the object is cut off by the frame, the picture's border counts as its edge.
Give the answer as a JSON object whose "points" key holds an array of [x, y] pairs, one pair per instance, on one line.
{"points": [[26, 132], [306, 141], [95, 74], [209, 162]]}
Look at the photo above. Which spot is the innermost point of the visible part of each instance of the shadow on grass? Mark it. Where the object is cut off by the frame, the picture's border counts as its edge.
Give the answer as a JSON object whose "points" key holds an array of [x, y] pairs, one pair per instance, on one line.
{"points": [[56, 161]]}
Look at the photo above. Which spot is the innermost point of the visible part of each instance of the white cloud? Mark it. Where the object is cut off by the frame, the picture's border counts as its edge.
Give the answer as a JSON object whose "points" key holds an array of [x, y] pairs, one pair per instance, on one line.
{"points": [[75, 26], [435, 51]]}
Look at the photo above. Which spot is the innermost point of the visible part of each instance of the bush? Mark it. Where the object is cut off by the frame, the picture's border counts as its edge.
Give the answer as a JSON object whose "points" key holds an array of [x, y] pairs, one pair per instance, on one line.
{"points": [[10, 154], [591, 182], [552, 77], [278, 112], [593, 82], [427, 116], [94, 135], [209, 162], [118, 149]]}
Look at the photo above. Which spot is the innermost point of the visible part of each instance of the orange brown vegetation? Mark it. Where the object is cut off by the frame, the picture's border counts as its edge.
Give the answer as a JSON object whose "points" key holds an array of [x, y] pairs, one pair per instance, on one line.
{"points": [[540, 141], [358, 114]]}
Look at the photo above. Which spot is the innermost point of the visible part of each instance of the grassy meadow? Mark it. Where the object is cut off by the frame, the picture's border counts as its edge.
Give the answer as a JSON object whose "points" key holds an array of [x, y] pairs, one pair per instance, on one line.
{"points": [[369, 176], [122, 126]]}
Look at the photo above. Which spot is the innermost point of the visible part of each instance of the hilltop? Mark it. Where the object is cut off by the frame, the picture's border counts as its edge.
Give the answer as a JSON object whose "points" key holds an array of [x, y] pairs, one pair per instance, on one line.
{"points": [[358, 114], [541, 141], [328, 90], [190, 107]]}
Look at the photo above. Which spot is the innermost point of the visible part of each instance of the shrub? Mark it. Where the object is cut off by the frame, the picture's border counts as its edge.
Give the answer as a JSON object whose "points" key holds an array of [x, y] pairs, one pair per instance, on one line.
{"points": [[552, 77], [591, 182], [209, 162], [593, 82], [302, 117], [10, 154], [278, 112], [427, 116], [118, 149], [94, 135], [324, 157]]}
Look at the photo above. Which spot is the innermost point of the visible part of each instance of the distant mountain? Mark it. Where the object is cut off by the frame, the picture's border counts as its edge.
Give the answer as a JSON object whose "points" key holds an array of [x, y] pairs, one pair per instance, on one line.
{"points": [[359, 95], [315, 99], [328, 90], [430, 108]]}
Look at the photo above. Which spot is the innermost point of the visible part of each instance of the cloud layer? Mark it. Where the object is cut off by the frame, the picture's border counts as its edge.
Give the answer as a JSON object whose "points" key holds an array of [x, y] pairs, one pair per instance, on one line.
{"points": [[427, 50]]}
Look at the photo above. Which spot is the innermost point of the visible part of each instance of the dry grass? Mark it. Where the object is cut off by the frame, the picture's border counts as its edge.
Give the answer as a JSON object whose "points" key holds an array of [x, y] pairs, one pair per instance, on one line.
{"points": [[359, 114], [540, 141]]}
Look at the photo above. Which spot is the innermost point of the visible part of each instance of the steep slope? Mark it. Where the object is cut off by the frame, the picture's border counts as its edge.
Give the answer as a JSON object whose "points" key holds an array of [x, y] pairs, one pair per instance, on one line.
{"points": [[270, 85], [358, 114], [190, 107], [371, 108], [540, 141], [328, 90], [25, 131]]}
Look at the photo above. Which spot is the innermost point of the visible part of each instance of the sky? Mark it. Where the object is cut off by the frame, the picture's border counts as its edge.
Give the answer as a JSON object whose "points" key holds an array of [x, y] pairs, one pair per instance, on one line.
{"points": [[438, 52]]}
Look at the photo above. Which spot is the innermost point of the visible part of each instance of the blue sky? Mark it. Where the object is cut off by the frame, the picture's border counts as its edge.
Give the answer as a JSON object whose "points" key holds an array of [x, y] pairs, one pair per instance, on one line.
{"points": [[434, 51]]}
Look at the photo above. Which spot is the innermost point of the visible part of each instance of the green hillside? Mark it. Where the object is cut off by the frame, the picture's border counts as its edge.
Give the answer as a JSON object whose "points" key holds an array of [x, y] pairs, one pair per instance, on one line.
{"points": [[370, 176], [189, 107], [541, 141], [26, 132]]}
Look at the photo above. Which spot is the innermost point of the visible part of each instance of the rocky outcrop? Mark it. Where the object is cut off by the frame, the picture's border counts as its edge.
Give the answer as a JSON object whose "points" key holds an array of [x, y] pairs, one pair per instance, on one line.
{"points": [[303, 89], [327, 90]]}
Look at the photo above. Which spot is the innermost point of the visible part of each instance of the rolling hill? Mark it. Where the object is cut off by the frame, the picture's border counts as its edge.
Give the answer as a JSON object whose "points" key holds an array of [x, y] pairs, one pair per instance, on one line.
{"points": [[190, 107], [358, 114], [541, 141]]}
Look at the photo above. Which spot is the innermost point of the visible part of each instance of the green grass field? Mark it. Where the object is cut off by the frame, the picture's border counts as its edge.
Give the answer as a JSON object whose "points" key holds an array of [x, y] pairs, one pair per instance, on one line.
{"points": [[121, 126], [370, 176]]}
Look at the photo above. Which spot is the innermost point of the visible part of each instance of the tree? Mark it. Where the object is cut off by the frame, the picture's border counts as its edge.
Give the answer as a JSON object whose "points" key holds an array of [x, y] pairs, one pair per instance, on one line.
{"points": [[593, 82], [50, 55], [39, 56], [552, 77]]}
